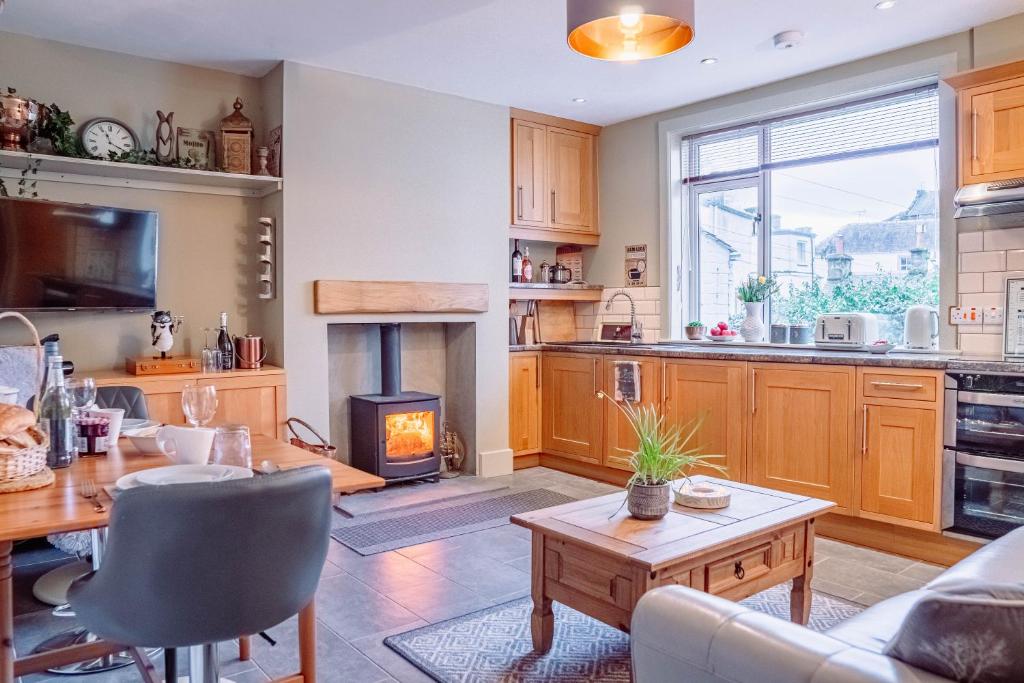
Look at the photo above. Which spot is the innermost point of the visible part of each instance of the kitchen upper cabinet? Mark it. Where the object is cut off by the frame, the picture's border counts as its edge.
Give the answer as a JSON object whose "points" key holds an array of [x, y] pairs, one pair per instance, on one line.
{"points": [[714, 394], [898, 462], [801, 429], [524, 402], [554, 179], [990, 104], [529, 198], [570, 179], [619, 438], [572, 412]]}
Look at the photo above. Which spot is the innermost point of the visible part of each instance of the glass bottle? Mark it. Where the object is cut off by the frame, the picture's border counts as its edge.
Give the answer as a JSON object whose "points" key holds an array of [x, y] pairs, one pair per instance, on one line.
{"points": [[517, 264], [55, 417], [224, 345], [50, 349], [527, 266]]}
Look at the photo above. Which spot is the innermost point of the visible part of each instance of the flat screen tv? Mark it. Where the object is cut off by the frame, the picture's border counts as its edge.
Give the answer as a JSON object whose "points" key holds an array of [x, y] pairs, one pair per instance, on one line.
{"points": [[56, 256]]}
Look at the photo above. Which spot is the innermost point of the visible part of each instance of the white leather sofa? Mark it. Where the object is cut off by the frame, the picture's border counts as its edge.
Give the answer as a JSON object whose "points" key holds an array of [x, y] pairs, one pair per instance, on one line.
{"points": [[682, 635]]}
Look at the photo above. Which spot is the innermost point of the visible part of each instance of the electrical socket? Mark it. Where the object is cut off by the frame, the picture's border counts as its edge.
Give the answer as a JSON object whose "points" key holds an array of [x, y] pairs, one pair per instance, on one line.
{"points": [[965, 315], [993, 315]]}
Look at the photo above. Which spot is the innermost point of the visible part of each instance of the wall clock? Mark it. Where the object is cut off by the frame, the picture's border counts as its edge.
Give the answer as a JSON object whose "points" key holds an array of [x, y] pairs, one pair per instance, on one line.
{"points": [[102, 136]]}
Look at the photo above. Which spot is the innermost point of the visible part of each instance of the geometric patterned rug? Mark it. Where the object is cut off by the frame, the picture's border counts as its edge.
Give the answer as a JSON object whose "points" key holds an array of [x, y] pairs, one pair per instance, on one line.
{"points": [[415, 524], [494, 644]]}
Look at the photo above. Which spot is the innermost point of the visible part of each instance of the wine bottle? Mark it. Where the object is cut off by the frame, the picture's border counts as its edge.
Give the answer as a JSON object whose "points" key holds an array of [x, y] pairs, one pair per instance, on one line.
{"points": [[50, 349], [55, 417], [527, 266], [517, 264], [224, 345]]}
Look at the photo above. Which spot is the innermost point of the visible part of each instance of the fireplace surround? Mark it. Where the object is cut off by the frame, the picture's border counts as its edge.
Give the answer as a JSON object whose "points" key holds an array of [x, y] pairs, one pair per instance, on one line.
{"points": [[395, 434]]}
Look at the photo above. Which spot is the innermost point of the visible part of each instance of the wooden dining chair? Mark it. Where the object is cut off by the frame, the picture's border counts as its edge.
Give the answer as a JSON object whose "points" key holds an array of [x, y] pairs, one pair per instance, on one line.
{"points": [[197, 564]]}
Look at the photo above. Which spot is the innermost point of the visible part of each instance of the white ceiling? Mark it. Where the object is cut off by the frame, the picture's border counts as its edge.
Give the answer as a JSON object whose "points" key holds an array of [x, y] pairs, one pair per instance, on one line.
{"points": [[509, 52]]}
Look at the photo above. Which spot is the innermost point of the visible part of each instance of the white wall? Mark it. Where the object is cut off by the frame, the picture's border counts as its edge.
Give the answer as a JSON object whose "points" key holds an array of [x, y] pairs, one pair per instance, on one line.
{"points": [[389, 182], [205, 248]]}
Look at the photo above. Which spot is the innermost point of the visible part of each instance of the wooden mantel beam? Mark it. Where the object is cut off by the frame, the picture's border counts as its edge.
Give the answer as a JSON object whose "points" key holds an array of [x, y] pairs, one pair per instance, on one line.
{"points": [[332, 297]]}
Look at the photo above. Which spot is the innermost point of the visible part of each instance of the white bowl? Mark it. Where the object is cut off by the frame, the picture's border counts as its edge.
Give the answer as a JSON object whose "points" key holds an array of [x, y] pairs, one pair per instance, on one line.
{"points": [[881, 348], [145, 444]]}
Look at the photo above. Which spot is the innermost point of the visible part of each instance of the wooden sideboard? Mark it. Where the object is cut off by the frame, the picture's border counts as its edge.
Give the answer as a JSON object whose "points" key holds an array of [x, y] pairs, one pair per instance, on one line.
{"points": [[252, 397]]}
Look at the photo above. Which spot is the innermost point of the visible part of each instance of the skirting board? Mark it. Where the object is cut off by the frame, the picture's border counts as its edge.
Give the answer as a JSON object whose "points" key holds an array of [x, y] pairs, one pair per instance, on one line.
{"points": [[494, 463], [378, 296]]}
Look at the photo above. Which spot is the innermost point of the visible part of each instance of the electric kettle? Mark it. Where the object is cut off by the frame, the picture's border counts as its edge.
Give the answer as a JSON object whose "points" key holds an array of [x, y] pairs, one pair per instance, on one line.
{"points": [[921, 328]]}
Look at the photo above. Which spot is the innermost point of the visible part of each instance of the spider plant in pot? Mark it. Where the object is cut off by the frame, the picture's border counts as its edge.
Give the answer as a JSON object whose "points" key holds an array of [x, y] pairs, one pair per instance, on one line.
{"points": [[663, 453]]}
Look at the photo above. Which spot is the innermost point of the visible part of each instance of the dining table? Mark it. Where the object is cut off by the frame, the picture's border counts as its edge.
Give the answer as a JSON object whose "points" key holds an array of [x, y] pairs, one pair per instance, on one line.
{"points": [[61, 507]]}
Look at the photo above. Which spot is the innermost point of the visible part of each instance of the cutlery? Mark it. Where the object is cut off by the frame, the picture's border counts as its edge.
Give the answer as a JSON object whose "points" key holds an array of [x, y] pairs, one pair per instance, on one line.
{"points": [[92, 494]]}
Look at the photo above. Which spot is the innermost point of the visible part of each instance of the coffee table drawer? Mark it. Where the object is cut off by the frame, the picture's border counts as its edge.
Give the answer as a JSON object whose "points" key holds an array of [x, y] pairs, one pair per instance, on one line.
{"points": [[592, 574], [735, 570]]}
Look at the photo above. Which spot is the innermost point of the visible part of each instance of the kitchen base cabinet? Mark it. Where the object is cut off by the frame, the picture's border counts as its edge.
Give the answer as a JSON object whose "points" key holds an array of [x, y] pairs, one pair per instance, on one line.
{"points": [[524, 402], [801, 431], [619, 438], [572, 412], [712, 393]]}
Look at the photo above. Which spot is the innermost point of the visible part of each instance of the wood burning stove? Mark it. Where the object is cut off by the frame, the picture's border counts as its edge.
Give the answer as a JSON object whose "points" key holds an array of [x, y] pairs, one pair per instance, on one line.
{"points": [[396, 434]]}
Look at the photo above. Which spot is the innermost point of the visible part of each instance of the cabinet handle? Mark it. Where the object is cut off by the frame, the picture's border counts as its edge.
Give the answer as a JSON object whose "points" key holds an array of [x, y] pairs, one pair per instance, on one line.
{"points": [[738, 571], [753, 391], [595, 377], [519, 201], [552, 206], [897, 385], [974, 134], [864, 432]]}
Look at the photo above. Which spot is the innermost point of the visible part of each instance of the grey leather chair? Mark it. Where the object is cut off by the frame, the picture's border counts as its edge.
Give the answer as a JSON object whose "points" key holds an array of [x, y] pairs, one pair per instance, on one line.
{"points": [[130, 398], [195, 564]]}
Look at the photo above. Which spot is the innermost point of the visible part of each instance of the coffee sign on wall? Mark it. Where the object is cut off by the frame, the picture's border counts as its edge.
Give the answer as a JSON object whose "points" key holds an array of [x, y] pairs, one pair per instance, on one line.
{"points": [[636, 265]]}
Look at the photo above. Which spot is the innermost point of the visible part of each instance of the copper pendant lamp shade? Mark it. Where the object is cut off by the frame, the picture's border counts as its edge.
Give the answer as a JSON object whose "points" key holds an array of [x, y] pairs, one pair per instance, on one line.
{"points": [[625, 30]]}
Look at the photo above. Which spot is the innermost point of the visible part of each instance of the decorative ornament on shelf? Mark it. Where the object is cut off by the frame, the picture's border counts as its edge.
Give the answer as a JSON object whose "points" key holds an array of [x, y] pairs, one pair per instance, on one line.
{"points": [[274, 159], [197, 148], [164, 137], [108, 138], [236, 134], [163, 328], [663, 453], [261, 156], [753, 293], [16, 115]]}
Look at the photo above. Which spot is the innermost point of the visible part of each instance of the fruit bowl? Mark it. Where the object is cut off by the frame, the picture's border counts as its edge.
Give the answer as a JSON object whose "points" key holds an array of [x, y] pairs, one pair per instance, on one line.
{"points": [[881, 348], [722, 338]]}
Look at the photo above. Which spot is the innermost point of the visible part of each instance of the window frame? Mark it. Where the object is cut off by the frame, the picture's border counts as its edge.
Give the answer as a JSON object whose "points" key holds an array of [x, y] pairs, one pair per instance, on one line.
{"points": [[690, 187]]}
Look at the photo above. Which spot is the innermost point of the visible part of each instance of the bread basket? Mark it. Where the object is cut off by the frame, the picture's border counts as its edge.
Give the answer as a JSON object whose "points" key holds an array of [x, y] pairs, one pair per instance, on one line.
{"points": [[28, 460]]}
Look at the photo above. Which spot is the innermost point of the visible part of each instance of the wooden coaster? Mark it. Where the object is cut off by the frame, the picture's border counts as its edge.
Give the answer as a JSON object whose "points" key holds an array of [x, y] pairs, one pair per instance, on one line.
{"points": [[43, 477]]}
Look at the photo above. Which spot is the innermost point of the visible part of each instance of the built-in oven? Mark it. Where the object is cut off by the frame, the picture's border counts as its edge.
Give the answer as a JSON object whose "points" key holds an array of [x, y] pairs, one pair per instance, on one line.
{"points": [[983, 464]]}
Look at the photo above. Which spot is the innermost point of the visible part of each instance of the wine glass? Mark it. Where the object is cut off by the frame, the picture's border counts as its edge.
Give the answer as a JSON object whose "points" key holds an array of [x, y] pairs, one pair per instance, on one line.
{"points": [[199, 403], [82, 392]]}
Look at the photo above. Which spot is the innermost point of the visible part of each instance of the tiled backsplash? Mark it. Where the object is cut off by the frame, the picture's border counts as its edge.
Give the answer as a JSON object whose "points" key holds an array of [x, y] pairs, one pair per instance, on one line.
{"points": [[590, 316], [987, 259]]}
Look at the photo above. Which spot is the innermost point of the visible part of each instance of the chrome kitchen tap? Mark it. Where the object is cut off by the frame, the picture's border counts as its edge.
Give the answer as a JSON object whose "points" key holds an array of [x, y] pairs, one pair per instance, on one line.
{"points": [[636, 333]]}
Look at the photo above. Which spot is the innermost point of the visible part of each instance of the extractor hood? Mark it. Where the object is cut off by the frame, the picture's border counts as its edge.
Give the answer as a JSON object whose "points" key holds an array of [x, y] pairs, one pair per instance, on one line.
{"points": [[989, 206]]}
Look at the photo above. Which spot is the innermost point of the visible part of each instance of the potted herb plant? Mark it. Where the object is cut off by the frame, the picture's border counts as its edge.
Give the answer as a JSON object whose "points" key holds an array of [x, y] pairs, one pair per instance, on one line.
{"points": [[663, 453], [695, 330], [753, 293]]}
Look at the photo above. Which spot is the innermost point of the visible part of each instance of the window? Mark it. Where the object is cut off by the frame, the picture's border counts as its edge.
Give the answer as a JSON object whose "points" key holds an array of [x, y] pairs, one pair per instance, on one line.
{"points": [[840, 205]]}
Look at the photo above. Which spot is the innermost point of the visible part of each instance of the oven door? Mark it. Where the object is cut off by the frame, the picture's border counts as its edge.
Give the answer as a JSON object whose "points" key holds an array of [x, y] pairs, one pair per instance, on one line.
{"points": [[990, 423], [988, 495]]}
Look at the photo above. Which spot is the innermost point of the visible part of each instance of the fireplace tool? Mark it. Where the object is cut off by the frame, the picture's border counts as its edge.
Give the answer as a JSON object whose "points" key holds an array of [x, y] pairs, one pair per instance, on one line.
{"points": [[453, 454]]}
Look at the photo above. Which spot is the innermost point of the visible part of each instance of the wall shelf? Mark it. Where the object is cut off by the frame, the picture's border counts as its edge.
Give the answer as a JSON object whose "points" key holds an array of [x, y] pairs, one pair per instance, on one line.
{"points": [[543, 292], [518, 232], [139, 176]]}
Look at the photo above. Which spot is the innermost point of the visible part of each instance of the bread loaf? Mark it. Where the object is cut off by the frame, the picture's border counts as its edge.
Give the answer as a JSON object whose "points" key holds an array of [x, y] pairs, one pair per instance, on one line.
{"points": [[14, 419]]}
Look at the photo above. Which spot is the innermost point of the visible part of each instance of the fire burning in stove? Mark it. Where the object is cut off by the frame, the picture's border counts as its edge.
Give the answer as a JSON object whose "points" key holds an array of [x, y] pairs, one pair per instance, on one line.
{"points": [[409, 434]]}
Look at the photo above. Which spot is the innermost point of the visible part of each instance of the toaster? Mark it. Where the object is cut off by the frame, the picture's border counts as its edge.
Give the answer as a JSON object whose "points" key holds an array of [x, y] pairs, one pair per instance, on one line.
{"points": [[845, 330]]}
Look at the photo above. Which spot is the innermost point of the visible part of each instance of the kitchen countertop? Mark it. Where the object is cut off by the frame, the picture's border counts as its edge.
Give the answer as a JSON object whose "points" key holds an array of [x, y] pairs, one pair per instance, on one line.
{"points": [[761, 354]]}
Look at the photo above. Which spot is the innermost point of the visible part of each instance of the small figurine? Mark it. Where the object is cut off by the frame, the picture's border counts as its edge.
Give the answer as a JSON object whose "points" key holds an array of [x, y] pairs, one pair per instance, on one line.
{"points": [[163, 328], [164, 137]]}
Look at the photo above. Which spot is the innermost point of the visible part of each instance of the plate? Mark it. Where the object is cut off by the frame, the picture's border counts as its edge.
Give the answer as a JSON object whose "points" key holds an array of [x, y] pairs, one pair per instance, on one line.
{"points": [[191, 474], [126, 482], [723, 339], [134, 424]]}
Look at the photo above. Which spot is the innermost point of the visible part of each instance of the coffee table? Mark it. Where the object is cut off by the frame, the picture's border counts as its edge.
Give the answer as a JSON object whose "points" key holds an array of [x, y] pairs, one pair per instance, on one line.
{"points": [[595, 558]]}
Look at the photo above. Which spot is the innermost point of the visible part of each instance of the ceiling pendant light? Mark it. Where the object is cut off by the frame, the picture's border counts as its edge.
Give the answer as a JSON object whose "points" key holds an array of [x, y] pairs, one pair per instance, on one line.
{"points": [[628, 30]]}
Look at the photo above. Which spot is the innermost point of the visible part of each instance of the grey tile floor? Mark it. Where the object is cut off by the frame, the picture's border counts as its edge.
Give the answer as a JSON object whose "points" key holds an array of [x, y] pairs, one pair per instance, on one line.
{"points": [[362, 600]]}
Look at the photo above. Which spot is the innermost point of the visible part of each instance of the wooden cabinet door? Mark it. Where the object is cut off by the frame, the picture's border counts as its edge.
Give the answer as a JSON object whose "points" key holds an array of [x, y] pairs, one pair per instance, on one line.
{"points": [[524, 403], [801, 431], [252, 406], [529, 196], [572, 415], [165, 408], [570, 177], [898, 459], [620, 441], [995, 132], [713, 393]]}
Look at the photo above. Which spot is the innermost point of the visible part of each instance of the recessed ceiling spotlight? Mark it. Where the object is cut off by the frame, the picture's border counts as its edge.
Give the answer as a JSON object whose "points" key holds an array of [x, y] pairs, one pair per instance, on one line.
{"points": [[579, 100], [885, 4], [787, 39], [709, 60]]}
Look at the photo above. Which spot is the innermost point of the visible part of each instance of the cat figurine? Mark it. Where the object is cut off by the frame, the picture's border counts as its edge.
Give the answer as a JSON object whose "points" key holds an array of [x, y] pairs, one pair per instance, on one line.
{"points": [[163, 328]]}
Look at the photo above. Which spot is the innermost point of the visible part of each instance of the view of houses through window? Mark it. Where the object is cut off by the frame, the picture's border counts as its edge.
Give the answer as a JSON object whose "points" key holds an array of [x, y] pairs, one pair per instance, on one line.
{"points": [[850, 226]]}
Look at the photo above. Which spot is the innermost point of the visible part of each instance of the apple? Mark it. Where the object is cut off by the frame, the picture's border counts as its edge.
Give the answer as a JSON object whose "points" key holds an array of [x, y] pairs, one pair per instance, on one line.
{"points": [[723, 326], [715, 332], [729, 333]]}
